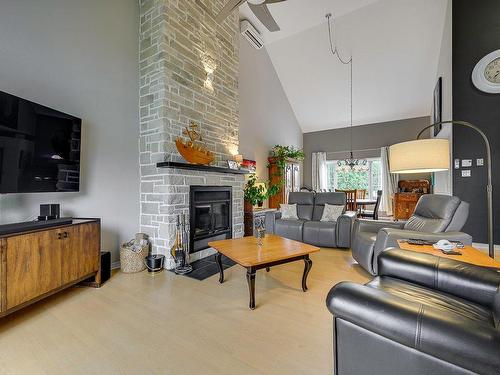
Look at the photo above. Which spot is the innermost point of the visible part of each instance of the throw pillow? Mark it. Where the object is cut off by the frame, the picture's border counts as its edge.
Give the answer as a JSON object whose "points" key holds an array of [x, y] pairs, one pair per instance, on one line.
{"points": [[331, 212], [289, 211]]}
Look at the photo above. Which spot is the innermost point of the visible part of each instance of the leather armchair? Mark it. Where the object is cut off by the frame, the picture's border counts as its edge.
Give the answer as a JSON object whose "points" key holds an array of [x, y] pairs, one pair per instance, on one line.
{"points": [[421, 315], [436, 217]]}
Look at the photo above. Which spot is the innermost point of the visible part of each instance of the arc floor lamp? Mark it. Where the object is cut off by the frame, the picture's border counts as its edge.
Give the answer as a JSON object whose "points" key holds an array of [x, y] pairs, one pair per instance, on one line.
{"points": [[433, 155]]}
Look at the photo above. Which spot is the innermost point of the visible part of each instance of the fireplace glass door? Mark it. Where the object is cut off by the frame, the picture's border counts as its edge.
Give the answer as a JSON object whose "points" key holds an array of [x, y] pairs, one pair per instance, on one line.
{"points": [[210, 212]]}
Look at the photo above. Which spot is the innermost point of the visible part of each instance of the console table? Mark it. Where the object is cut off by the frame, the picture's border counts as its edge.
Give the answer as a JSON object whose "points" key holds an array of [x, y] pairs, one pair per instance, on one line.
{"points": [[39, 262]]}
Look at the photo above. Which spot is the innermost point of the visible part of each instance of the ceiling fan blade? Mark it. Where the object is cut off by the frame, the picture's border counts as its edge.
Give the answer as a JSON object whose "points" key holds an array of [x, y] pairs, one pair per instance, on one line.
{"points": [[262, 13], [228, 8]]}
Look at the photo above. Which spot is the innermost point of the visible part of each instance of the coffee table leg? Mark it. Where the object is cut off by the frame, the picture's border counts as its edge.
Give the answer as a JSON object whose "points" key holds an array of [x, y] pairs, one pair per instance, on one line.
{"points": [[307, 267], [251, 287], [218, 259]]}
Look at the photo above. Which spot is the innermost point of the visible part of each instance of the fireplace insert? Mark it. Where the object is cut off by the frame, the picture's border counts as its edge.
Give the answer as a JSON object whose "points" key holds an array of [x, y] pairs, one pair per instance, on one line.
{"points": [[210, 215]]}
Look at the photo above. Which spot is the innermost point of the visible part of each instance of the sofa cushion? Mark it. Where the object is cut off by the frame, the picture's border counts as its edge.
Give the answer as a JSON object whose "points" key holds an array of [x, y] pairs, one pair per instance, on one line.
{"points": [[291, 229], [433, 213], [288, 211], [447, 303], [305, 204], [320, 233], [331, 198], [331, 212]]}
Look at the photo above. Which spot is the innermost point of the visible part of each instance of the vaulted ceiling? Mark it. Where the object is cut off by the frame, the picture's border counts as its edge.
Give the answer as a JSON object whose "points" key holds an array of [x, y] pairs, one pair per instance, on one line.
{"points": [[395, 46]]}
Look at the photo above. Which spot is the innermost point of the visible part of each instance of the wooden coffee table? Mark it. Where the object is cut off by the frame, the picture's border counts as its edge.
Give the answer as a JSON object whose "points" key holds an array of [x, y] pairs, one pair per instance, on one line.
{"points": [[469, 255], [273, 251]]}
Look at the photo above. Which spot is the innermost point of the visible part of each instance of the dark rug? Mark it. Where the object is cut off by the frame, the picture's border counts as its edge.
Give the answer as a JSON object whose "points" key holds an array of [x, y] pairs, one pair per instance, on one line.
{"points": [[207, 267]]}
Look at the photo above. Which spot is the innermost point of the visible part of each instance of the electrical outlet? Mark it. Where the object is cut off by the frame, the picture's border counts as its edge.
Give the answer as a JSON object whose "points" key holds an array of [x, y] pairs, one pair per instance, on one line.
{"points": [[480, 162], [457, 163], [466, 173], [466, 163]]}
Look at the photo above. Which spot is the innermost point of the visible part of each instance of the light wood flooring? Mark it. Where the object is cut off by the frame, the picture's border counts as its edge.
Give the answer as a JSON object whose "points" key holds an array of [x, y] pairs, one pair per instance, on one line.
{"points": [[167, 324]]}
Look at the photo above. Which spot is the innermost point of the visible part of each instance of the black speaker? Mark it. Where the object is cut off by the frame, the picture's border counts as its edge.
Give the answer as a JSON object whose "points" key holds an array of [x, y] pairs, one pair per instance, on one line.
{"points": [[49, 212], [105, 266]]}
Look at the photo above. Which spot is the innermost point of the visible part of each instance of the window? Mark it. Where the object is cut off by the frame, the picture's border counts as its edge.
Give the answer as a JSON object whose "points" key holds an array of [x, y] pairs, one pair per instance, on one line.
{"points": [[371, 179]]}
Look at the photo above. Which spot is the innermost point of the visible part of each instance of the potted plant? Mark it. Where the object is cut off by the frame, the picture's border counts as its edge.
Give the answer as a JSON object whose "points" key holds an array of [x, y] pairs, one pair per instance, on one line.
{"points": [[255, 193], [281, 154]]}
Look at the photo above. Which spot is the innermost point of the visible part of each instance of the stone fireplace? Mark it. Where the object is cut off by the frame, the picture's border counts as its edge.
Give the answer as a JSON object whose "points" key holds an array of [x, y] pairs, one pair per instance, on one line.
{"points": [[189, 72]]}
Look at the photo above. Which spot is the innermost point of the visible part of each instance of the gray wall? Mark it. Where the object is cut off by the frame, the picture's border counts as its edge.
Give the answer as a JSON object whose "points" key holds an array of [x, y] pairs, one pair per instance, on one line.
{"points": [[365, 137], [266, 117], [476, 32], [80, 57]]}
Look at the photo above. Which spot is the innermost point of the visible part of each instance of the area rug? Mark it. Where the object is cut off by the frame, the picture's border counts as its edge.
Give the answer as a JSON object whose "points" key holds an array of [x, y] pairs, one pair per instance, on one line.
{"points": [[207, 267]]}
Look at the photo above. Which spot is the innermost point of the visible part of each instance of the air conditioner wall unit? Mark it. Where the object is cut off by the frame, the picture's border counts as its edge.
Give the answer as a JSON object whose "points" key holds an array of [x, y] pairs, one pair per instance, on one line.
{"points": [[251, 34]]}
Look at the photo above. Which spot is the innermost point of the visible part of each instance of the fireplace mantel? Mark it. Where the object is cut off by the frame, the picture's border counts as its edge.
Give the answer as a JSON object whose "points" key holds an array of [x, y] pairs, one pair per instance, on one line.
{"points": [[198, 167]]}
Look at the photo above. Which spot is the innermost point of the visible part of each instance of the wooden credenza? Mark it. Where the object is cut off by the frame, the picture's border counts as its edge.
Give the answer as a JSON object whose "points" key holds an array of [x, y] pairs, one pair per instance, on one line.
{"points": [[406, 199], [35, 264], [290, 176]]}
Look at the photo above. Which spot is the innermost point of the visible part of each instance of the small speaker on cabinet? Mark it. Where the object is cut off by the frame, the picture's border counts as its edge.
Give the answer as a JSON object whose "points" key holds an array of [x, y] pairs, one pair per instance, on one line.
{"points": [[49, 212]]}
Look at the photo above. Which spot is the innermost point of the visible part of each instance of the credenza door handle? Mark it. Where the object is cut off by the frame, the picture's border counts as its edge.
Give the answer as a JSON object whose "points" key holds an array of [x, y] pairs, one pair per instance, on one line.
{"points": [[66, 235], [59, 236]]}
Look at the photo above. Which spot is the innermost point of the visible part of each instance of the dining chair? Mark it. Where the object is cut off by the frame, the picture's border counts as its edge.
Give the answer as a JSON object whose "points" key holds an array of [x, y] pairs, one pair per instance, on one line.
{"points": [[351, 196], [360, 193], [369, 214]]}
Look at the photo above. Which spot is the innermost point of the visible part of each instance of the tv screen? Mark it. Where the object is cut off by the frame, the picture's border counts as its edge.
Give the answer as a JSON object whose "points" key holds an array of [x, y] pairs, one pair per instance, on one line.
{"points": [[39, 148]]}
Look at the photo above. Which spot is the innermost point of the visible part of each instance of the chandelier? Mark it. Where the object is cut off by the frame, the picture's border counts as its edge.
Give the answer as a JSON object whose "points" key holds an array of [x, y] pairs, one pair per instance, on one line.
{"points": [[350, 163]]}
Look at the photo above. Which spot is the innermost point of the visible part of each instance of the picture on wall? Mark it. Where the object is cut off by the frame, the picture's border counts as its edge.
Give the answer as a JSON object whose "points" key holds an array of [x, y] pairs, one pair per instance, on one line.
{"points": [[437, 106]]}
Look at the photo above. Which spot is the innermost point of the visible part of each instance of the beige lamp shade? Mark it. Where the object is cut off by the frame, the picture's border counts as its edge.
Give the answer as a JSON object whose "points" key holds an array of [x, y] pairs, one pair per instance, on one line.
{"points": [[423, 155]]}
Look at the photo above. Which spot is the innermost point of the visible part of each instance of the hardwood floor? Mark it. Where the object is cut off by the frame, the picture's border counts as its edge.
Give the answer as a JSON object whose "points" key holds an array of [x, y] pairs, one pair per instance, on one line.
{"points": [[168, 324]]}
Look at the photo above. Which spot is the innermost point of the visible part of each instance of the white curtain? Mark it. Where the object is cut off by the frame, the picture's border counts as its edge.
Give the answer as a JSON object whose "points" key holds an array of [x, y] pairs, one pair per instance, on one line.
{"points": [[389, 182], [319, 171]]}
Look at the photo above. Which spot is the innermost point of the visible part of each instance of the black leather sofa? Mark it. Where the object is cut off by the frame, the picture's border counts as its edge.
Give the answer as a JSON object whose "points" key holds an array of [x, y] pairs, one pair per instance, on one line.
{"points": [[308, 228], [421, 315]]}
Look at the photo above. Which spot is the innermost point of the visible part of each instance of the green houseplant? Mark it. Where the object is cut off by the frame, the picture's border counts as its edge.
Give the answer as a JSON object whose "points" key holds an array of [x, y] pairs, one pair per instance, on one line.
{"points": [[281, 154], [256, 193]]}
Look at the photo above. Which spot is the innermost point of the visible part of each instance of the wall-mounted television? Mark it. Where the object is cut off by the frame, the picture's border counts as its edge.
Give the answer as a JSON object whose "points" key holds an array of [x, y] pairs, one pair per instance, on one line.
{"points": [[39, 148]]}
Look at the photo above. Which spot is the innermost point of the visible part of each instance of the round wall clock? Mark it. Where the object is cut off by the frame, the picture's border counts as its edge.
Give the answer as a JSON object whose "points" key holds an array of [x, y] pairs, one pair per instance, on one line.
{"points": [[486, 73]]}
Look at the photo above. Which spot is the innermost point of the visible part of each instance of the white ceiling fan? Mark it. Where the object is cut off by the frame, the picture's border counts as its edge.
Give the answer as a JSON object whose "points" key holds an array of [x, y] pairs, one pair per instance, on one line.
{"points": [[258, 7]]}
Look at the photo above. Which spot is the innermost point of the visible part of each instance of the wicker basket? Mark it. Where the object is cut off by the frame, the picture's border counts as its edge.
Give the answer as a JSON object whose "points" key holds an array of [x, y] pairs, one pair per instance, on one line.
{"points": [[132, 261]]}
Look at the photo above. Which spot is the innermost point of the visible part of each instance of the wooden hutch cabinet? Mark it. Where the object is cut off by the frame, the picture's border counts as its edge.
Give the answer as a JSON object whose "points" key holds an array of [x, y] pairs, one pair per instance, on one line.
{"points": [[290, 176], [405, 200]]}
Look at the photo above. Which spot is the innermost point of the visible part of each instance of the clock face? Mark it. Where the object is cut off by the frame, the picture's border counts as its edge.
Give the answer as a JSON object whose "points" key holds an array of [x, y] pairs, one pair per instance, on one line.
{"points": [[492, 71], [486, 73]]}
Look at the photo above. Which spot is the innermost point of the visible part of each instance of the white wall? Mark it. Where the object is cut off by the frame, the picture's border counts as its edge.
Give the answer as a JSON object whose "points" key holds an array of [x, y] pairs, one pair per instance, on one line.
{"points": [[80, 57], [443, 180], [395, 48], [266, 117]]}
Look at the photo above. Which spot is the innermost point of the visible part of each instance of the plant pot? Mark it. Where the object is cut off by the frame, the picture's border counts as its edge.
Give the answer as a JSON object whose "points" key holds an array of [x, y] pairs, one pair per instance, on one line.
{"points": [[260, 204], [247, 206]]}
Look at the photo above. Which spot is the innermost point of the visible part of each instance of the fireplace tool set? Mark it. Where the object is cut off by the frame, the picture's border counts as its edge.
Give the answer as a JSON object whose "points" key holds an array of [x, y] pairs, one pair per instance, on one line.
{"points": [[180, 249]]}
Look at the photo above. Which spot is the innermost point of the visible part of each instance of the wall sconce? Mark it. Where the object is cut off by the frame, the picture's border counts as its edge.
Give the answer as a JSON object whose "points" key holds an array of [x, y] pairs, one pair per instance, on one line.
{"points": [[209, 65], [232, 149]]}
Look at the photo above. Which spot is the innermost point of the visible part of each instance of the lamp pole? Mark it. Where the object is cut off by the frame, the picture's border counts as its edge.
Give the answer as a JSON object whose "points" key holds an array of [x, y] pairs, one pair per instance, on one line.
{"points": [[489, 186]]}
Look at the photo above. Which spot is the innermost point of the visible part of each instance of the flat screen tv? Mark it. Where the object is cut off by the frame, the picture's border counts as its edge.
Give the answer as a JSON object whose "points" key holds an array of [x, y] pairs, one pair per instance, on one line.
{"points": [[39, 148]]}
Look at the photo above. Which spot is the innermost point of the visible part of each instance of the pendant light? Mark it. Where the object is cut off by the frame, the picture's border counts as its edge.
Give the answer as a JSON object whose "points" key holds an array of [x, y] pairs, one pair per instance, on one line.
{"points": [[350, 163]]}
